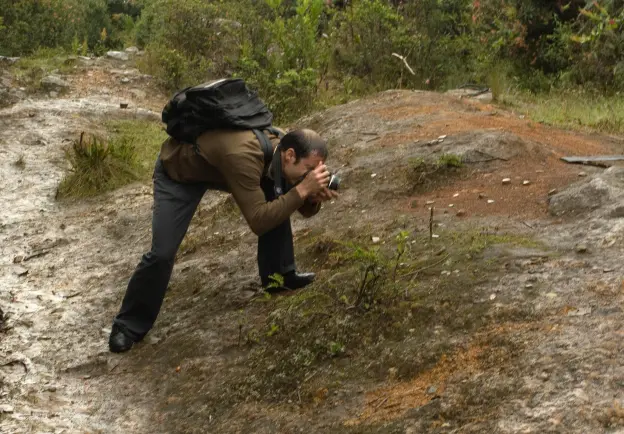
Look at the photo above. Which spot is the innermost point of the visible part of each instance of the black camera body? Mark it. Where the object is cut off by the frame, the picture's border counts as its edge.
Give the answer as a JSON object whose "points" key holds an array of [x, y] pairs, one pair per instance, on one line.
{"points": [[334, 182]]}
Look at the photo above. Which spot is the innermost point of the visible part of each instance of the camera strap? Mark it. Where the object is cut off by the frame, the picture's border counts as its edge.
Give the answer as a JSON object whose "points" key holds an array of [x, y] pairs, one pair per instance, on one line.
{"points": [[276, 167]]}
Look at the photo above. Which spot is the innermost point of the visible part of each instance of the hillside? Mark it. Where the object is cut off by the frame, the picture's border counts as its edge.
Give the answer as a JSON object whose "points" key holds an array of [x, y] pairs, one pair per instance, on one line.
{"points": [[509, 319]]}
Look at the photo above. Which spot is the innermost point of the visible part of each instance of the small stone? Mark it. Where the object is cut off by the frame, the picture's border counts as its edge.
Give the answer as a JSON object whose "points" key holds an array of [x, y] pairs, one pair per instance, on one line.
{"points": [[456, 195], [442, 137], [435, 236], [86, 377], [481, 196], [526, 182], [125, 80], [123, 105], [118, 55], [375, 240], [551, 295], [18, 259], [132, 50], [451, 205], [506, 181], [582, 311], [553, 191], [6, 408], [581, 248], [493, 296], [544, 376], [528, 286], [53, 94], [582, 174], [430, 202], [461, 213], [63, 226], [608, 270], [490, 201], [20, 271], [432, 390], [373, 175]]}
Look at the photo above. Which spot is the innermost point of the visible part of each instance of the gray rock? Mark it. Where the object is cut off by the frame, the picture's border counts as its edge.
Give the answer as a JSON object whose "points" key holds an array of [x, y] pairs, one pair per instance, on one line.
{"points": [[118, 55], [6, 408], [582, 197], [8, 60], [54, 83], [618, 212], [138, 93], [20, 271]]}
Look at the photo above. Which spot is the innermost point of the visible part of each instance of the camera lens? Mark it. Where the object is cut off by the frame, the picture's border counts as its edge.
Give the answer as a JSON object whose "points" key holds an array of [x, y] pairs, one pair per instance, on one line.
{"points": [[334, 182]]}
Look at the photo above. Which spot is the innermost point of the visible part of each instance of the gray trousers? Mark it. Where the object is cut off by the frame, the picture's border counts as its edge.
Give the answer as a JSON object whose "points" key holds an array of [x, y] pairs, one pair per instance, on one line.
{"points": [[174, 207]]}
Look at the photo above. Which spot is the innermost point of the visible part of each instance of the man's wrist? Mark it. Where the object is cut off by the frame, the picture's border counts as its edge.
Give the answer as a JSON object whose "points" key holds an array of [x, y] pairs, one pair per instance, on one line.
{"points": [[302, 191]]}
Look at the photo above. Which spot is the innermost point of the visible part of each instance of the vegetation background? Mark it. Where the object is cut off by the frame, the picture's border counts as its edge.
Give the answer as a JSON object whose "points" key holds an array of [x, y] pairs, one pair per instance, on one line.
{"points": [[303, 55]]}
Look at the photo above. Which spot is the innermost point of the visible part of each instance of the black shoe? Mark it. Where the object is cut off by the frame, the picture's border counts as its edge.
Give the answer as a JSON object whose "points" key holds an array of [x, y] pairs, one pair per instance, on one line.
{"points": [[292, 281], [118, 342]]}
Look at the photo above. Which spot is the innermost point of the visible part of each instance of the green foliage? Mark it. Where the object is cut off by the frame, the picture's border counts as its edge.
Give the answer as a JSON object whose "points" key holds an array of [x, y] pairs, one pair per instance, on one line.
{"points": [[34, 24], [98, 166]]}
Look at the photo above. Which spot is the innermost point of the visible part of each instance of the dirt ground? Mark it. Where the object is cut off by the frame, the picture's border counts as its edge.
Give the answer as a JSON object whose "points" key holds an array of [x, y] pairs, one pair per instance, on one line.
{"points": [[534, 343]]}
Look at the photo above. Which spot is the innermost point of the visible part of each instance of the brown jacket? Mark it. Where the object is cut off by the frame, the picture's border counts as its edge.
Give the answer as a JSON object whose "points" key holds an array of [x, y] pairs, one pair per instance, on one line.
{"points": [[233, 161]]}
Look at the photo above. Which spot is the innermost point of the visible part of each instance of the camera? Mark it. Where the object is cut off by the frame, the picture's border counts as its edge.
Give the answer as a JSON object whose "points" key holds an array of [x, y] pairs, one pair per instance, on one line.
{"points": [[334, 182]]}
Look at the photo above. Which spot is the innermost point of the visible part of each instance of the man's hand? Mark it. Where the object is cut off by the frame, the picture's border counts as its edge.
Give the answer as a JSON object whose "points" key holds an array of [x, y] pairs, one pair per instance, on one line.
{"points": [[323, 196], [314, 182]]}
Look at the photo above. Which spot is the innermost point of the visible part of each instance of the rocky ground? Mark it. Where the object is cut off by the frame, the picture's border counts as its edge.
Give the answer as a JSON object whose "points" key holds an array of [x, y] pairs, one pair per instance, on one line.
{"points": [[522, 334]]}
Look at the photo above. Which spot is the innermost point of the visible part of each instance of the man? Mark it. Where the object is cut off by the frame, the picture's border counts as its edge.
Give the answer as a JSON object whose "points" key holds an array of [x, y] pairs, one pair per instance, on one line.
{"points": [[232, 161]]}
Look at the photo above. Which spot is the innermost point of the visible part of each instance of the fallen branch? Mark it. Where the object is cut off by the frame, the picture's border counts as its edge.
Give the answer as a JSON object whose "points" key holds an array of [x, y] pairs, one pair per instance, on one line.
{"points": [[405, 62]]}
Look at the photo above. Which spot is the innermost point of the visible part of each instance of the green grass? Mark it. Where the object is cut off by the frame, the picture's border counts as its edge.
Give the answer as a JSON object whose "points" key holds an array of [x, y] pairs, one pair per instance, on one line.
{"points": [[28, 71], [98, 165], [571, 109]]}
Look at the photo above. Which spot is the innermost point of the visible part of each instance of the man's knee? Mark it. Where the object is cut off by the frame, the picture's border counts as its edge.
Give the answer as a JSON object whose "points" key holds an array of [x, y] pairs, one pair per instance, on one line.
{"points": [[160, 257]]}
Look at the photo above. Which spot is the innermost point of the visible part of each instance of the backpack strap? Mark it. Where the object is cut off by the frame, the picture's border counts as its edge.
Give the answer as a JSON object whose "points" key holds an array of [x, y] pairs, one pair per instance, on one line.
{"points": [[265, 144]]}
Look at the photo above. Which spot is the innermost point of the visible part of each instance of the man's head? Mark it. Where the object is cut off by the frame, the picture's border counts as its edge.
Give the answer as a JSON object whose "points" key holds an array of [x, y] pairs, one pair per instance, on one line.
{"points": [[302, 151]]}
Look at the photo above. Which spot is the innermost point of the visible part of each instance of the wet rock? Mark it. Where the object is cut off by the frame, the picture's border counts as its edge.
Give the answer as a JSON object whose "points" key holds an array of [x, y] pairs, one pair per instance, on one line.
{"points": [[118, 55], [54, 83]]}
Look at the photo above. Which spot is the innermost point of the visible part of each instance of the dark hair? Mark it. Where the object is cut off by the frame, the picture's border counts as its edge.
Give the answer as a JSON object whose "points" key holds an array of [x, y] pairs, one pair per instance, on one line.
{"points": [[304, 142]]}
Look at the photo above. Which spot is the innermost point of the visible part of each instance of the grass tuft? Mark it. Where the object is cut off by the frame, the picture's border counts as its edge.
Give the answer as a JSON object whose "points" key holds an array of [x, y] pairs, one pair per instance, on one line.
{"points": [[98, 166]]}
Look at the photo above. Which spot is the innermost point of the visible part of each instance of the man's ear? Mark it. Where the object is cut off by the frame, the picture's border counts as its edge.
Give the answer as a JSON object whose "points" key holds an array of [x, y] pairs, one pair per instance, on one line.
{"points": [[290, 155]]}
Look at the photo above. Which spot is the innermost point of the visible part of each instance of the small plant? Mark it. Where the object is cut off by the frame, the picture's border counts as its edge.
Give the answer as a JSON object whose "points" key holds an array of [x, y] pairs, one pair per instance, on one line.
{"points": [[335, 349], [449, 160], [276, 281]]}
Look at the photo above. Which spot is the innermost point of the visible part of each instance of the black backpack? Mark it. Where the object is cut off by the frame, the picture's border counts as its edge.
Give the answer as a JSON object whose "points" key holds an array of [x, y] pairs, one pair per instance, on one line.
{"points": [[225, 103]]}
